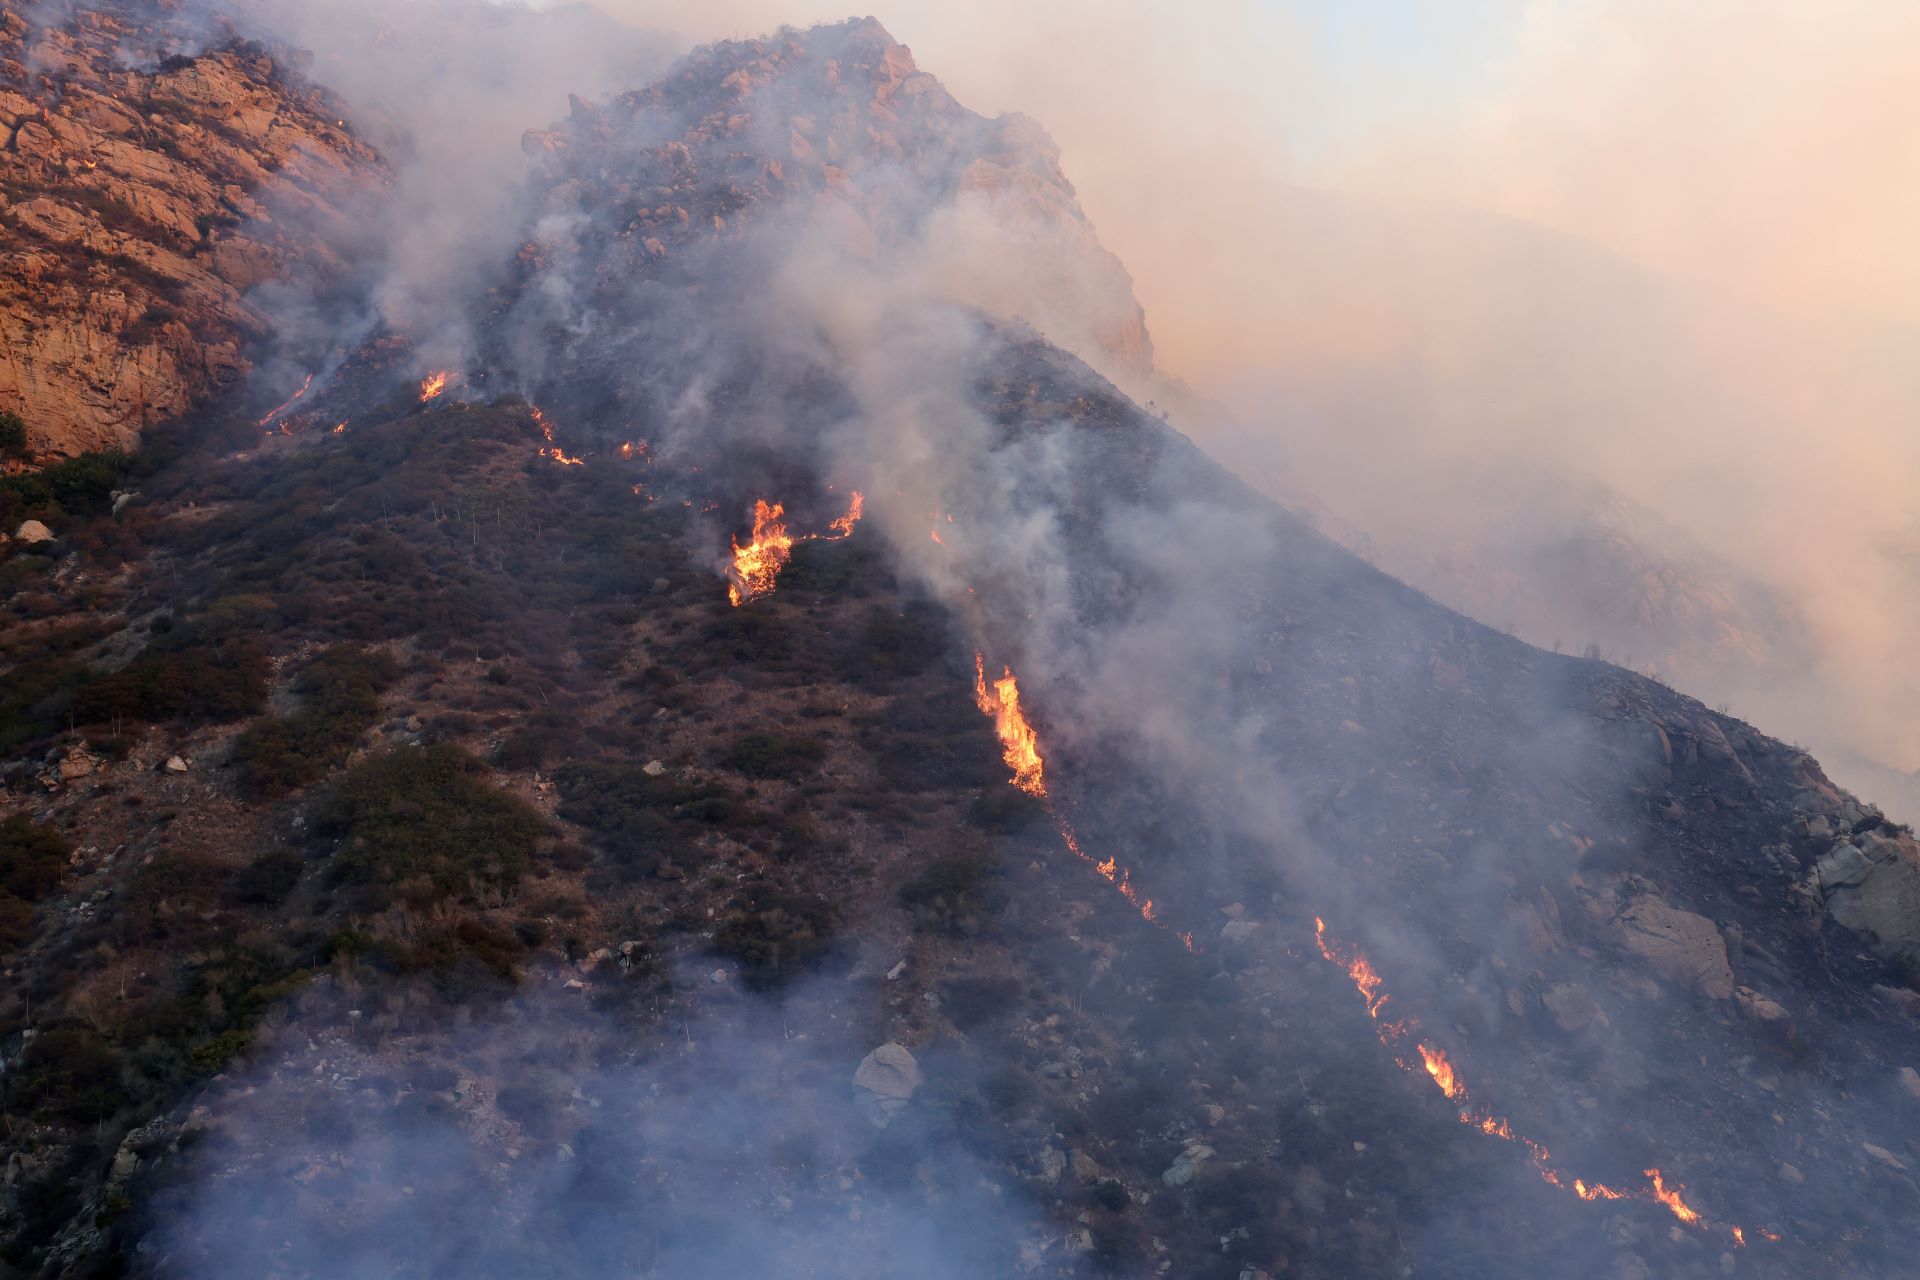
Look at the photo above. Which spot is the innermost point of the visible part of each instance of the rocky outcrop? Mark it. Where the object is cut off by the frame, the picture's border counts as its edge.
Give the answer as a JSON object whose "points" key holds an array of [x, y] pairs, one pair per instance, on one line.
{"points": [[1679, 945], [836, 132], [1870, 881], [150, 184], [885, 1082]]}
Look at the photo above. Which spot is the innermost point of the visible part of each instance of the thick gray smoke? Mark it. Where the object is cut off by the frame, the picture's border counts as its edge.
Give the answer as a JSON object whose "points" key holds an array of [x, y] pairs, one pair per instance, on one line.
{"points": [[1317, 738], [530, 1142]]}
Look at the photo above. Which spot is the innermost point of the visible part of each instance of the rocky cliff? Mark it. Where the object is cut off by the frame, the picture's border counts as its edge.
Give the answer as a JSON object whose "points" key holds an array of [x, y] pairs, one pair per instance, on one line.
{"points": [[151, 180], [837, 131]]}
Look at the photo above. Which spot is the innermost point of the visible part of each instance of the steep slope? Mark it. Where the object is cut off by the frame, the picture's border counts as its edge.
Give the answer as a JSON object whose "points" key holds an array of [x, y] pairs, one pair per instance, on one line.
{"points": [[348, 765], [156, 173]]}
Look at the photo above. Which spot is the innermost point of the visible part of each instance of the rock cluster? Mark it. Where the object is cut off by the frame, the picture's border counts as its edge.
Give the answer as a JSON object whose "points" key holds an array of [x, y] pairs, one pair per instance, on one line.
{"points": [[147, 192]]}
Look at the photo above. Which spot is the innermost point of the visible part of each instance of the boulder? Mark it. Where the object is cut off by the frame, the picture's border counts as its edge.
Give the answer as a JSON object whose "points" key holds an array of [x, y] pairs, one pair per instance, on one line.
{"points": [[884, 1083], [1871, 883], [1182, 1170], [1572, 1006], [1758, 1007], [176, 765], [1238, 933], [32, 532], [1678, 944], [653, 768]]}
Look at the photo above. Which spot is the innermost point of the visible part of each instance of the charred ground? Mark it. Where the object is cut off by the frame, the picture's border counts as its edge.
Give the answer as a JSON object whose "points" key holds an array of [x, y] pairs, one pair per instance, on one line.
{"points": [[414, 862]]}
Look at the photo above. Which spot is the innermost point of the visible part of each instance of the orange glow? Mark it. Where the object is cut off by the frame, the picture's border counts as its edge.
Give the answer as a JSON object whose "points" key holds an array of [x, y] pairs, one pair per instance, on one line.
{"points": [[1020, 748], [1442, 1072], [553, 450], [340, 428], [1019, 744], [937, 538], [434, 384], [757, 565], [842, 526], [1436, 1066], [1671, 1198], [288, 404], [1599, 1192]]}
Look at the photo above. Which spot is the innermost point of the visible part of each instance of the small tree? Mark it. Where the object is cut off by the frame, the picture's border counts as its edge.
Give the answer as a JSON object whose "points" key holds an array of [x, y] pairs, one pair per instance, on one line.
{"points": [[13, 434]]}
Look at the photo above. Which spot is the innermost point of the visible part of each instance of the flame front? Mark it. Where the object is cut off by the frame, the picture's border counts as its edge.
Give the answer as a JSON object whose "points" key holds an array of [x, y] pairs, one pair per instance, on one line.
{"points": [[1670, 1197], [1019, 744], [1395, 1034], [757, 565], [1020, 748], [288, 403], [434, 384], [1442, 1072], [842, 526]]}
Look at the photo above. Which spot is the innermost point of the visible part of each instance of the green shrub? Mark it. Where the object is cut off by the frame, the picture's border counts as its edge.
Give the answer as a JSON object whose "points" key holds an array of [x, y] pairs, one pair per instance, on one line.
{"points": [[13, 434], [342, 690], [430, 813], [950, 894], [71, 1073], [269, 879], [84, 486], [766, 755], [640, 821], [33, 858], [16, 923], [778, 937], [216, 682], [211, 1058]]}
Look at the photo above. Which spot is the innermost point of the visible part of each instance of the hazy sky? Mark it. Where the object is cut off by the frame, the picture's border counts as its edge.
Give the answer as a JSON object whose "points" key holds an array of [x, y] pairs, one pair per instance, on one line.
{"points": [[1517, 247]]}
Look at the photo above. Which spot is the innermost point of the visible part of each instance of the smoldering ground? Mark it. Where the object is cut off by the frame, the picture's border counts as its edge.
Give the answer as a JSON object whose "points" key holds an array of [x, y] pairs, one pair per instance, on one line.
{"points": [[1314, 737], [1603, 353], [537, 1137]]}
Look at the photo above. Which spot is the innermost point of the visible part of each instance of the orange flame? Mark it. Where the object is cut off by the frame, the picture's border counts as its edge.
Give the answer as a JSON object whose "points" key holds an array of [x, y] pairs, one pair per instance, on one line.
{"points": [[757, 565], [1394, 1035], [546, 431], [288, 404], [1020, 748], [842, 526], [434, 384], [1019, 744], [1442, 1072], [1671, 1198]]}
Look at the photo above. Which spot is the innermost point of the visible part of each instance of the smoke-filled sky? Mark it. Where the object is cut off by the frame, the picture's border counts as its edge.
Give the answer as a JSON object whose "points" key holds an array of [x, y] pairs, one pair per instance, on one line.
{"points": [[1470, 276]]}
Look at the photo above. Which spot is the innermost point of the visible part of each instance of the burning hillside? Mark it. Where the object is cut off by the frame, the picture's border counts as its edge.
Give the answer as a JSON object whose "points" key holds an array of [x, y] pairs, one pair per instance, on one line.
{"points": [[411, 864]]}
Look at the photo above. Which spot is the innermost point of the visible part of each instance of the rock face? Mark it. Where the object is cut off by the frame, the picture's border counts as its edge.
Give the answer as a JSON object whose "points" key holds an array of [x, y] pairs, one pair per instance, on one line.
{"points": [[1679, 945], [147, 191], [1871, 882], [884, 1083], [835, 131]]}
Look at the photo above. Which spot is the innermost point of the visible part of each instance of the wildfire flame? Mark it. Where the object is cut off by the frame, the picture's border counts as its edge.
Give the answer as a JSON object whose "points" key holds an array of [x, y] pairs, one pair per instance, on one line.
{"points": [[552, 450], [842, 526], [1019, 744], [757, 565], [1433, 1062], [1670, 1198], [434, 384], [1020, 748], [289, 402], [1442, 1072]]}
